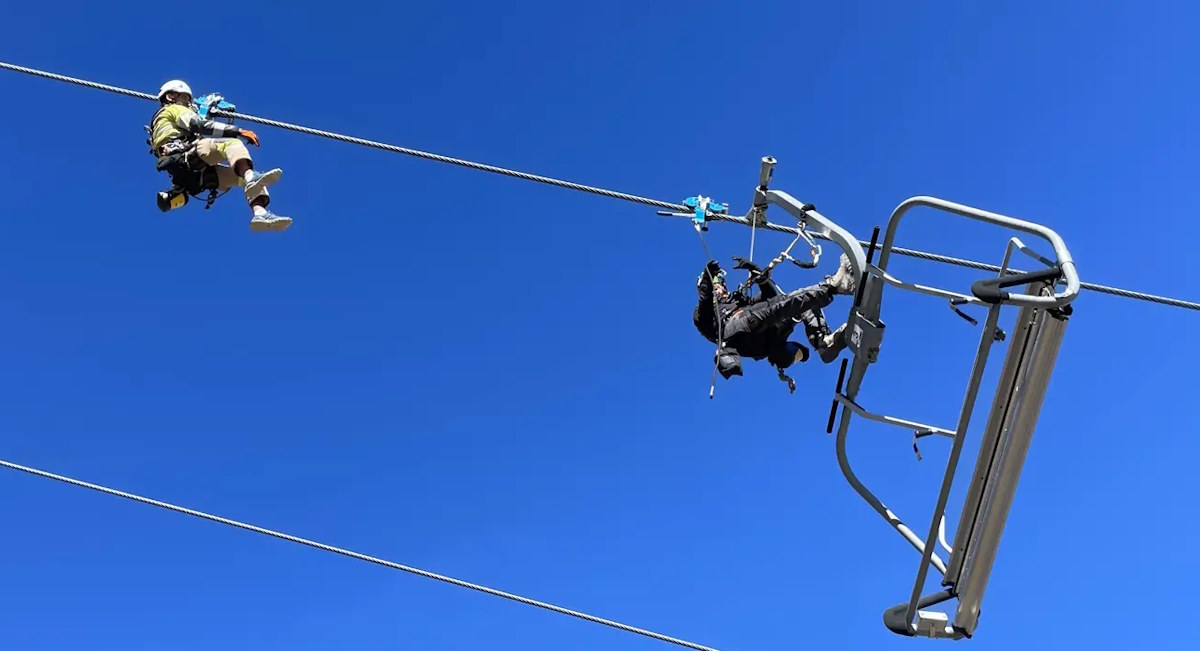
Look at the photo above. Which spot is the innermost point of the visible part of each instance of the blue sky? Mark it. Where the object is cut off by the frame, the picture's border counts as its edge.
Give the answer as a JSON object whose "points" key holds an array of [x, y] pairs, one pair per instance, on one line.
{"points": [[499, 380]]}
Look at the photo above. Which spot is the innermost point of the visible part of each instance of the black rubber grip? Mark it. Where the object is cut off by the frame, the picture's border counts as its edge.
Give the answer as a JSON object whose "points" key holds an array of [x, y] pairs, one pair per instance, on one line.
{"points": [[833, 407], [893, 618], [991, 290], [871, 247], [862, 282]]}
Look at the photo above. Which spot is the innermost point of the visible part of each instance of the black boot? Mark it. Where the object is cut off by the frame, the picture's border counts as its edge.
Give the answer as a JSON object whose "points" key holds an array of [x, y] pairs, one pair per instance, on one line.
{"points": [[834, 344]]}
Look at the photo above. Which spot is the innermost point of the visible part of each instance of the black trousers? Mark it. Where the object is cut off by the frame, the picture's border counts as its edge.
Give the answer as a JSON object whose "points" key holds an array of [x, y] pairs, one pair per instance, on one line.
{"points": [[764, 316], [815, 326]]}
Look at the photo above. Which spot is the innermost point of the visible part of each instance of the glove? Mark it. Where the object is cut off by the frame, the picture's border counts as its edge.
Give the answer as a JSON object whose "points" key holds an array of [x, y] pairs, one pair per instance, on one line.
{"points": [[713, 268], [754, 269], [743, 263], [250, 136]]}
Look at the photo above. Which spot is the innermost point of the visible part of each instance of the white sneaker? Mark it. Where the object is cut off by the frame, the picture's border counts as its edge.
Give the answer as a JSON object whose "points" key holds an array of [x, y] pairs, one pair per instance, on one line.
{"points": [[269, 221], [259, 180]]}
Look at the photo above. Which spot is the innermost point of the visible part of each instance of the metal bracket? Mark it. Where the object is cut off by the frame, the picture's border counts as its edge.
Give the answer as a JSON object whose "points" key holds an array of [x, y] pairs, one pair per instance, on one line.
{"points": [[865, 336], [757, 215]]}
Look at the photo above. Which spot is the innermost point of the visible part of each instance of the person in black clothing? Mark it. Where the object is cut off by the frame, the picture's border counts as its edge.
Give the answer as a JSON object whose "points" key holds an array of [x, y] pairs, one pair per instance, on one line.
{"points": [[759, 327]]}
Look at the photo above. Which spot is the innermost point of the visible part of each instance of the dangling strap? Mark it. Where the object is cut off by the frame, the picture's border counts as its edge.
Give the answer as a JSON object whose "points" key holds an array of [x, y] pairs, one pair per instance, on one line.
{"points": [[790, 382]]}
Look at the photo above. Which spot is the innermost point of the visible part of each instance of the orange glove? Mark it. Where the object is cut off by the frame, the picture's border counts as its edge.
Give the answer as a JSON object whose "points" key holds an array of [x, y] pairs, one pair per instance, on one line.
{"points": [[250, 136]]}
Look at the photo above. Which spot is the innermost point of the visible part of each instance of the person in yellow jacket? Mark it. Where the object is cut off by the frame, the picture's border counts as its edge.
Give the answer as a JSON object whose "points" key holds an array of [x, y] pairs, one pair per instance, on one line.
{"points": [[179, 137]]}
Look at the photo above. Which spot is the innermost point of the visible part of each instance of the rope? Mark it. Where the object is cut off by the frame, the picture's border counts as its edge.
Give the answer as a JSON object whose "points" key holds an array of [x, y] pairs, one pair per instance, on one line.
{"points": [[355, 555], [712, 387], [753, 228], [1125, 293]]}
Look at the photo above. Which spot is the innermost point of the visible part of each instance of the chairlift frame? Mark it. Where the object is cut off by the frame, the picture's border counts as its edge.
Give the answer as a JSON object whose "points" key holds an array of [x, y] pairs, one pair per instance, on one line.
{"points": [[1016, 404]]}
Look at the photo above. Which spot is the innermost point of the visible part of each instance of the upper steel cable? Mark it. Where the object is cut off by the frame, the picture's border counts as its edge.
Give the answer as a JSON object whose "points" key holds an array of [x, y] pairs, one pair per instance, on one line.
{"points": [[1115, 291]]}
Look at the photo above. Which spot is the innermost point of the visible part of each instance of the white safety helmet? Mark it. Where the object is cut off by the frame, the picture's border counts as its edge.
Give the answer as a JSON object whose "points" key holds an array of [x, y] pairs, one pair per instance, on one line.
{"points": [[173, 86]]}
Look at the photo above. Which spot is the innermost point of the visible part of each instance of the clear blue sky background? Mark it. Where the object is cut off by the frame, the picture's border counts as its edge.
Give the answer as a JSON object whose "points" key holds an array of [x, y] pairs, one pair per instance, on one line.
{"points": [[500, 381]]}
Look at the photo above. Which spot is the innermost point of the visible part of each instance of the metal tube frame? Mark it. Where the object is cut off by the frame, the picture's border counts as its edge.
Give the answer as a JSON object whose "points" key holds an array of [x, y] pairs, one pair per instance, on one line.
{"points": [[998, 469], [1070, 276], [868, 307], [1005, 388], [864, 334]]}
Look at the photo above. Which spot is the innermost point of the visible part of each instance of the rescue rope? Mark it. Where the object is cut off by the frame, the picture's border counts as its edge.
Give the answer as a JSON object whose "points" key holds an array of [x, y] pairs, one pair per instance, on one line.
{"points": [[753, 228], [362, 557], [712, 281], [737, 219]]}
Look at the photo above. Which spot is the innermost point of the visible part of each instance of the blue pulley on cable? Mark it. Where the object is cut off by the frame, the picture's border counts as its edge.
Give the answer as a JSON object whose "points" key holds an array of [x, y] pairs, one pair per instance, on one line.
{"points": [[704, 207]]}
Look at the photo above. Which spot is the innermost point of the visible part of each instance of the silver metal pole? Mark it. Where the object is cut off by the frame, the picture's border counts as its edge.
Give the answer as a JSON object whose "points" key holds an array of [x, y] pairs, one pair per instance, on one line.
{"points": [[1006, 471], [987, 338]]}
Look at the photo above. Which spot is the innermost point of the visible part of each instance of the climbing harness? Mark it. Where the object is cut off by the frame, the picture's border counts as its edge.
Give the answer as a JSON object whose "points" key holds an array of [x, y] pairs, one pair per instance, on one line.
{"points": [[190, 176]]}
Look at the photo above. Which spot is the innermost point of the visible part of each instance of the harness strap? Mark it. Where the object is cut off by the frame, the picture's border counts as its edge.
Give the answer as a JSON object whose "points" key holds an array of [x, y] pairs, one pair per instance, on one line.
{"points": [[188, 171], [170, 146]]}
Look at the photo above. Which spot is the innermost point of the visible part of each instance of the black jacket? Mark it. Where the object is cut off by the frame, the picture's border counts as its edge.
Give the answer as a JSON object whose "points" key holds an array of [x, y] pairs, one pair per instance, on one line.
{"points": [[771, 345]]}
